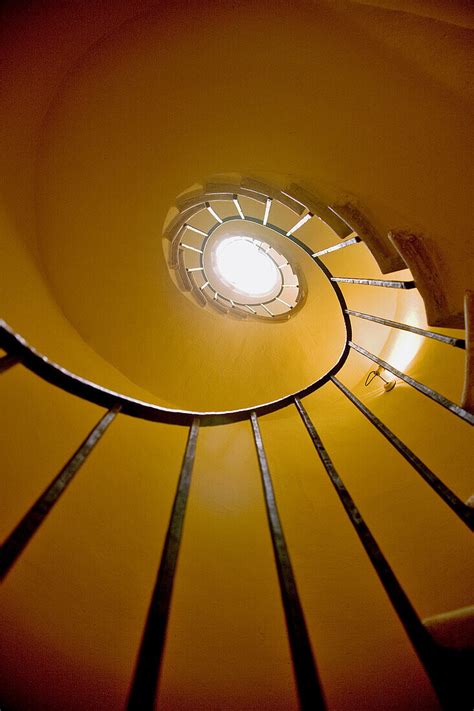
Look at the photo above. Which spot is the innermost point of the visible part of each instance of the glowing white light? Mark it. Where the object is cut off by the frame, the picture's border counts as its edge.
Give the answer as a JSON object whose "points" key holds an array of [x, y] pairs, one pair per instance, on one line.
{"points": [[403, 346], [299, 224], [195, 229], [284, 302], [239, 209], [213, 213], [267, 310], [247, 269], [268, 205], [193, 249]]}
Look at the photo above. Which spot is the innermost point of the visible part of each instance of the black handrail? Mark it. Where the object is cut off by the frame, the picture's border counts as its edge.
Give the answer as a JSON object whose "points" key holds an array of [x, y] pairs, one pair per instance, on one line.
{"points": [[85, 389], [39, 364], [438, 664]]}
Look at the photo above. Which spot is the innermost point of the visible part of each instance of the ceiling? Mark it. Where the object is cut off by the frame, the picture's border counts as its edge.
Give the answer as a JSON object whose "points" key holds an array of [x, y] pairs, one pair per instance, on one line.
{"points": [[162, 103], [110, 110]]}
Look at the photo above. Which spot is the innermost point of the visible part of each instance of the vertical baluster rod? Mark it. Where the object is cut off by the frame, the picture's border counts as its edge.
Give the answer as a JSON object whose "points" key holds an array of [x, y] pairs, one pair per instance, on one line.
{"points": [[464, 512], [29, 524], [428, 652], [456, 342], [421, 387], [7, 362], [307, 680], [144, 689]]}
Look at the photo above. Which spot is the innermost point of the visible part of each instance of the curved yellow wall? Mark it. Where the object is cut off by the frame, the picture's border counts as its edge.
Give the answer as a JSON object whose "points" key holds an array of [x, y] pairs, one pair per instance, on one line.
{"points": [[100, 137]]}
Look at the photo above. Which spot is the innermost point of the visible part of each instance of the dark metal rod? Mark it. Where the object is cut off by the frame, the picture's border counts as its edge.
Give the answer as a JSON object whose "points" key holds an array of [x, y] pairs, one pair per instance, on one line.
{"points": [[61, 378], [336, 247], [377, 282], [7, 362], [426, 649], [456, 342], [465, 513], [144, 689], [309, 688], [432, 394], [52, 373], [29, 524]]}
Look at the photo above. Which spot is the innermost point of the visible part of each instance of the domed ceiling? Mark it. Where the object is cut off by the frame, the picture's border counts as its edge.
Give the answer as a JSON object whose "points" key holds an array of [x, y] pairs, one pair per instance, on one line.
{"points": [[337, 97], [168, 100]]}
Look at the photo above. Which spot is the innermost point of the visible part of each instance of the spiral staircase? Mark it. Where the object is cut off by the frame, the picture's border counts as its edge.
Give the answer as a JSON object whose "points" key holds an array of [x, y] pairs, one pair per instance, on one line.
{"points": [[252, 521]]}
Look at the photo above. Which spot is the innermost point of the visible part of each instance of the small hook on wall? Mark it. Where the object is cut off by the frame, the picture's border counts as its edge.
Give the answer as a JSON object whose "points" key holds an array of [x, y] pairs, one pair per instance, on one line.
{"points": [[388, 384]]}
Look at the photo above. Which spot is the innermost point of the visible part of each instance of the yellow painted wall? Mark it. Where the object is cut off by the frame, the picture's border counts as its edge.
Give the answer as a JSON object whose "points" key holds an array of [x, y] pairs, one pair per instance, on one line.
{"points": [[110, 111]]}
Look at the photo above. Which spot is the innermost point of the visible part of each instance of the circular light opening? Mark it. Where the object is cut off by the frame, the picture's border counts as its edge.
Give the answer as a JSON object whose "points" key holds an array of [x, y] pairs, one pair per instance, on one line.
{"points": [[244, 266]]}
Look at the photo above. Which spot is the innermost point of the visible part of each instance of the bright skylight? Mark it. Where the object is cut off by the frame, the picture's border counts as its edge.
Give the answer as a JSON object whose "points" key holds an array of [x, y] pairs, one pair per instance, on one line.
{"points": [[242, 265]]}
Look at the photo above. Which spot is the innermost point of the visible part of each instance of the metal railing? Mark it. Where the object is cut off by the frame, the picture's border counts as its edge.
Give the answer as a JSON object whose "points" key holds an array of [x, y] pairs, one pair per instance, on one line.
{"points": [[441, 664]]}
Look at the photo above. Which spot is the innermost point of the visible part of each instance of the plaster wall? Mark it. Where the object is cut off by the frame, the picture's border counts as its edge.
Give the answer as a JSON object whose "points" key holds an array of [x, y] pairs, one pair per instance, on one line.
{"points": [[110, 110]]}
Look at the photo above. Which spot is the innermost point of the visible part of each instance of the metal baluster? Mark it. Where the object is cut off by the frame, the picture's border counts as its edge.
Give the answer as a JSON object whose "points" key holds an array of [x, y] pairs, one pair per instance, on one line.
{"points": [[432, 394], [307, 681], [7, 362], [449, 340], [144, 687], [377, 282], [21, 535], [433, 658], [337, 247], [465, 513]]}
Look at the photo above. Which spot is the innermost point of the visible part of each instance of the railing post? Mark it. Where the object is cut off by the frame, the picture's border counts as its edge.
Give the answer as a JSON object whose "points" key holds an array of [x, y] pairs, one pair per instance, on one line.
{"points": [[465, 513], [144, 689], [449, 340], [436, 661], [307, 680], [421, 387], [388, 284], [337, 247], [29, 524], [7, 362]]}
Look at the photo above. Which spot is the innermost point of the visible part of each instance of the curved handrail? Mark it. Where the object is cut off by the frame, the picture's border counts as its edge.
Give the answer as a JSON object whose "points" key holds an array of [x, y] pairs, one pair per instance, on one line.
{"points": [[436, 661], [46, 369], [16, 346]]}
